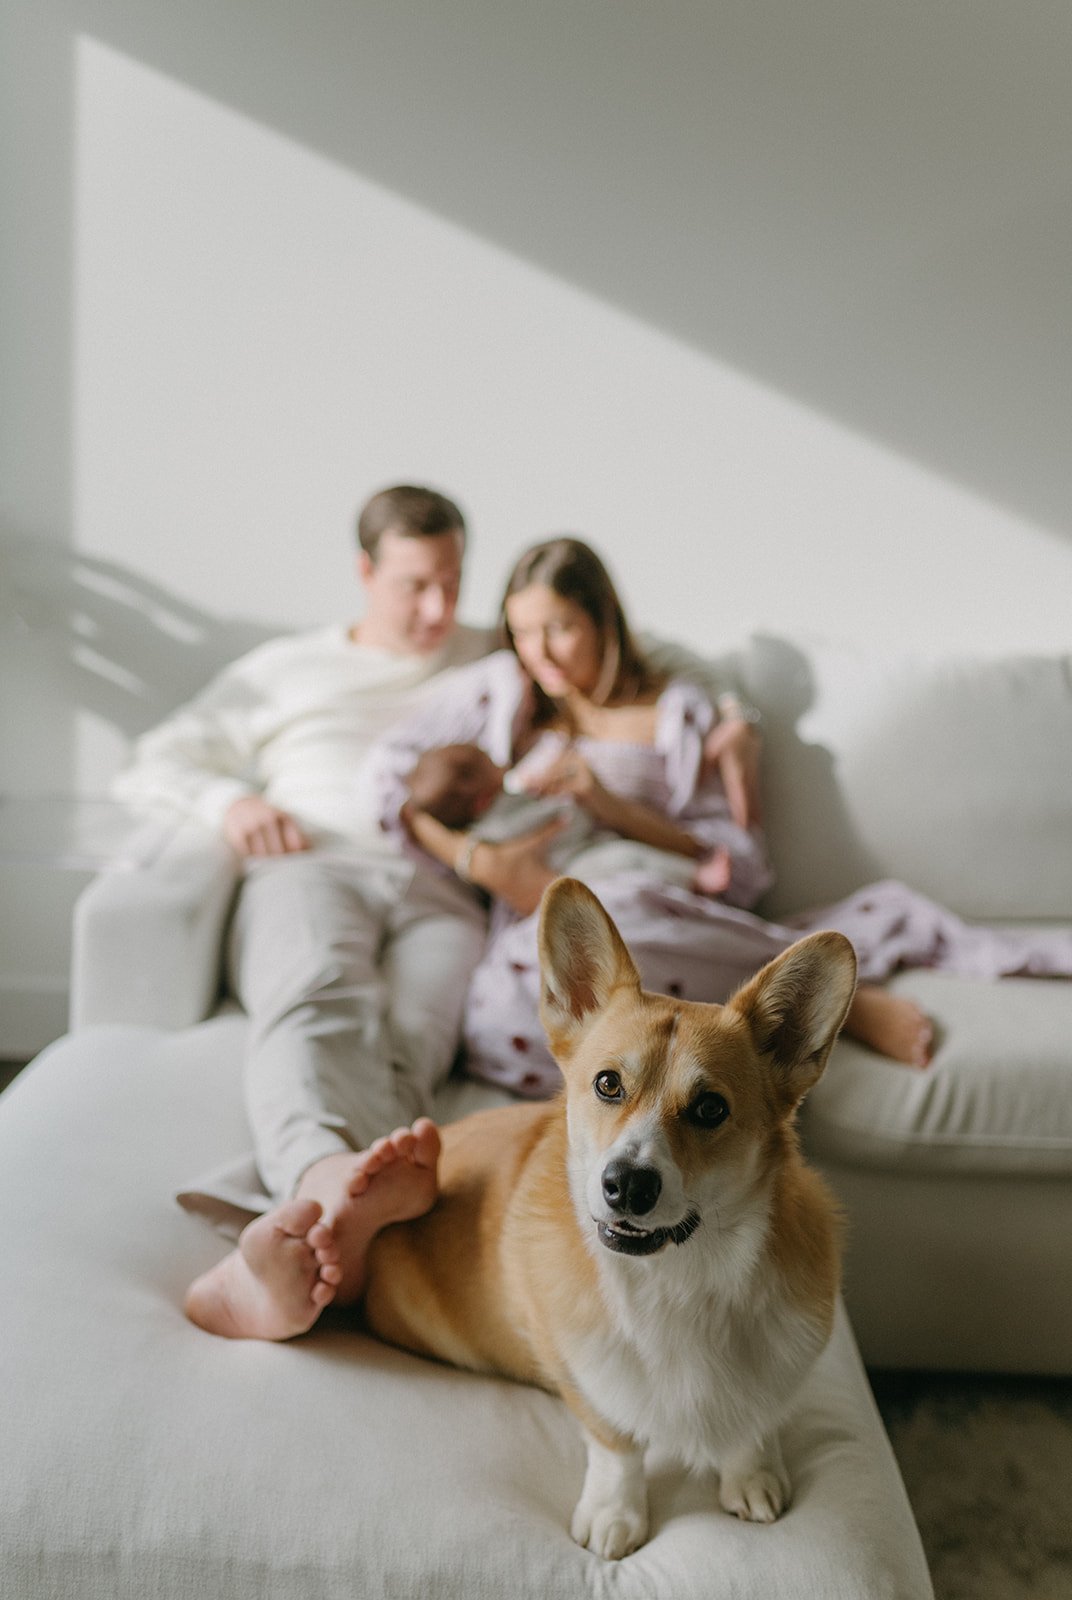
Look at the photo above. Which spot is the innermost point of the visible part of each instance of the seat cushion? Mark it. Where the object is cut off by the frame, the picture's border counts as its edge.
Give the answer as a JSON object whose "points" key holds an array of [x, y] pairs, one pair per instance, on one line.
{"points": [[144, 1457], [996, 1099]]}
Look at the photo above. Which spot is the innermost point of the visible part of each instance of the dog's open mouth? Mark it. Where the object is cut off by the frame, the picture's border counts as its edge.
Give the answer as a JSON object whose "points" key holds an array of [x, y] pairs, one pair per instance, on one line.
{"points": [[630, 1240]]}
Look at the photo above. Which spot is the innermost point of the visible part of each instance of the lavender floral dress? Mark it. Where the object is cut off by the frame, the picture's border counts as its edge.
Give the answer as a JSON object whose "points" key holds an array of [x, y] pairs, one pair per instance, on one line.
{"points": [[684, 943]]}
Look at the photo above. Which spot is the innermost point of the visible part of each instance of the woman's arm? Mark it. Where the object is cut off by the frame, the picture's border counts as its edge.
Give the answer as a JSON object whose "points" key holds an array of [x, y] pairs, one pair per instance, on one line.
{"points": [[685, 729], [513, 870], [733, 746], [571, 775]]}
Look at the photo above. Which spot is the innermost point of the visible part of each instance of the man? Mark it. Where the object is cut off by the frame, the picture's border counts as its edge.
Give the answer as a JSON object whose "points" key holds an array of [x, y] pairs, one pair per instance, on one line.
{"points": [[351, 962]]}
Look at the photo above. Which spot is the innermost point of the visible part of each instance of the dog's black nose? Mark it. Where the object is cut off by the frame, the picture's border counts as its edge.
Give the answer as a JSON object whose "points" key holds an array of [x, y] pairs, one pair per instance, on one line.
{"points": [[629, 1188]]}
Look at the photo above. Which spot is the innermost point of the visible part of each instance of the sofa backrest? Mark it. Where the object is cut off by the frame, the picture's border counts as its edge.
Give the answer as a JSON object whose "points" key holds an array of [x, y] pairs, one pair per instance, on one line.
{"points": [[953, 774]]}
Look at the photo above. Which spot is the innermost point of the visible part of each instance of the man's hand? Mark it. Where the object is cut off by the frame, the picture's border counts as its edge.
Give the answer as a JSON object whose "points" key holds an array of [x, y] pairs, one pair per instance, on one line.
{"points": [[733, 746], [254, 828]]}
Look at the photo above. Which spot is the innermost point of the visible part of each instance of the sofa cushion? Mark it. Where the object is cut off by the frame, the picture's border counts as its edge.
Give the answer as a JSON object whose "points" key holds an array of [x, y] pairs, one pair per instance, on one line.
{"points": [[997, 1097], [143, 1457], [951, 774]]}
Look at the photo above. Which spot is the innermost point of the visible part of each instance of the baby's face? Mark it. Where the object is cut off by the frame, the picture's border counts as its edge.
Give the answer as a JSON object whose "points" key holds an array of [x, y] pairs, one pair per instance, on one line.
{"points": [[456, 783]]}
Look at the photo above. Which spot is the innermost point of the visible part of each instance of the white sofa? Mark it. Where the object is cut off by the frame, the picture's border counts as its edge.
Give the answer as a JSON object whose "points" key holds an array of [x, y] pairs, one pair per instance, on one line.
{"points": [[145, 1457]]}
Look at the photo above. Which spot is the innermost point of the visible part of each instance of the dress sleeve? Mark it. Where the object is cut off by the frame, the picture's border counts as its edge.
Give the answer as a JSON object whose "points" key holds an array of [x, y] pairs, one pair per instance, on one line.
{"points": [[485, 703], [697, 800]]}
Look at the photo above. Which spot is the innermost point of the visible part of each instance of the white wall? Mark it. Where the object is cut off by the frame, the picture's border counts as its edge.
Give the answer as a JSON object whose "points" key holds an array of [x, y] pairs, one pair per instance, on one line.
{"points": [[261, 337]]}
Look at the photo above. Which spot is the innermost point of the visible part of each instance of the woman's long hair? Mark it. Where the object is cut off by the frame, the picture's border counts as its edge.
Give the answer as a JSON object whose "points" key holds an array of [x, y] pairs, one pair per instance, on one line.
{"points": [[571, 569]]}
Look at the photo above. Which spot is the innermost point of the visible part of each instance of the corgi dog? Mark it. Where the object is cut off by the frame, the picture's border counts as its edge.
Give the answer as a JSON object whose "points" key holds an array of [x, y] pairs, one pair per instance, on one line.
{"points": [[650, 1245]]}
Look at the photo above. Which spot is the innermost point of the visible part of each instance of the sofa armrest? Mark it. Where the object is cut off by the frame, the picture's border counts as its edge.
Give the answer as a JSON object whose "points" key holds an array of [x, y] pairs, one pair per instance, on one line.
{"points": [[148, 932]]}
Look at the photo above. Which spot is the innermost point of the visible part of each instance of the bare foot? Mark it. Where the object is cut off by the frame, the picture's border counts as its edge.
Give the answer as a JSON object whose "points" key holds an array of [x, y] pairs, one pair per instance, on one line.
{"points": [[392, 1181], [713, 873], [892, 1025], [285, 1271]]}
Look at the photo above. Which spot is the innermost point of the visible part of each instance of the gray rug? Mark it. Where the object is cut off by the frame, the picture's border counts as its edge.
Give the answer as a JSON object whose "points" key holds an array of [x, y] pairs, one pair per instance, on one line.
{"points": [[987, 1463]]}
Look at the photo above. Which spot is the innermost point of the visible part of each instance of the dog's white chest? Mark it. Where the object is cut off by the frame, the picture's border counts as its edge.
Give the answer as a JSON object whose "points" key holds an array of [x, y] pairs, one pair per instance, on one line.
{"points": [[692, 1379]]}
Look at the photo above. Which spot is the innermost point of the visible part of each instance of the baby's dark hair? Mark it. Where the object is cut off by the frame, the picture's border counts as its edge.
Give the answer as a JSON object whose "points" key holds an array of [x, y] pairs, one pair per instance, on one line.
{"points": [[437, 783]]}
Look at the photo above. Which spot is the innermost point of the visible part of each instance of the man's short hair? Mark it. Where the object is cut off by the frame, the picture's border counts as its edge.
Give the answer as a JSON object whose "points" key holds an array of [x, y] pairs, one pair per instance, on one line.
{"points": [[407, 509]]}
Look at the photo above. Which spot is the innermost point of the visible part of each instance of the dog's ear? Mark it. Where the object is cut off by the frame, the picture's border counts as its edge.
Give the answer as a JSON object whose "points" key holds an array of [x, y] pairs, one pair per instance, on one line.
{"points": [[796, 1005], [583, 960]]}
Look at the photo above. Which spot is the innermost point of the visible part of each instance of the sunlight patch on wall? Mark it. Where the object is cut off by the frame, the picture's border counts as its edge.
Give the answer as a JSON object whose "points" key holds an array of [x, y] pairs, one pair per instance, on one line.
{"points": [[263, 337]]}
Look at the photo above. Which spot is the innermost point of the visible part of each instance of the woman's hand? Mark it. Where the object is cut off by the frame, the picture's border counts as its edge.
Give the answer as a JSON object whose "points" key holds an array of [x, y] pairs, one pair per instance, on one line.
{"points": [[570, 775], [734, 747], [514, 871]]}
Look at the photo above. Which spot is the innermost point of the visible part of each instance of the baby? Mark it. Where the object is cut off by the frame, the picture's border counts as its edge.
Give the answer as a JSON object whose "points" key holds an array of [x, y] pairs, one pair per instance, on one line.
{"points": [[463, 788]]}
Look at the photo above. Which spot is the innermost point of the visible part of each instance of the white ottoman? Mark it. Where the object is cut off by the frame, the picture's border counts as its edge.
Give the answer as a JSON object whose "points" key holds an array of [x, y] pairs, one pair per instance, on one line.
{"points": [[143, 1457]]}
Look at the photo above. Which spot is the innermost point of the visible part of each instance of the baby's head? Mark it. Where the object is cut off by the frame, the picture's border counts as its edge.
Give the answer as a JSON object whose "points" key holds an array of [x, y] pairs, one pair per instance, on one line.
{"points": [[455, 783]]}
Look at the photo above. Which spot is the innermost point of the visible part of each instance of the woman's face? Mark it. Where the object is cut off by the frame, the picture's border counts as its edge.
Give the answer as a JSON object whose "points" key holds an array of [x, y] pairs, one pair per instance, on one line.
{"points": [[556, 641]]}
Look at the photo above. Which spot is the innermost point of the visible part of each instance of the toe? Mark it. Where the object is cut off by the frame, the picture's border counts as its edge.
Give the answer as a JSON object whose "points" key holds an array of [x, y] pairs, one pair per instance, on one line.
{"points": [[296, 1217], [427, 1142], [378, 1155], [323, 1241]]}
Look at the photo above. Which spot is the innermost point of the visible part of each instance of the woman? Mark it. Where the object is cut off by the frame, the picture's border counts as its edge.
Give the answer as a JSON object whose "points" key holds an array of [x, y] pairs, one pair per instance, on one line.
{"points": [[577, 701]]}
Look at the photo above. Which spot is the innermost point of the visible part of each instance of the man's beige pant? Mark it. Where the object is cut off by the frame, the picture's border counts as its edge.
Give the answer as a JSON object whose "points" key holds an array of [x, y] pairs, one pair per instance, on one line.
{"points": [[353, 970]]}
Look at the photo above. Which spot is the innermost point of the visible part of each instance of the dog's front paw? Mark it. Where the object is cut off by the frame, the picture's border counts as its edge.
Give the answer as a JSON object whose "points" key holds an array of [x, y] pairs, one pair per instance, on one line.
{"points": [[611, 1529], [611, 1518], [760, 1495]]}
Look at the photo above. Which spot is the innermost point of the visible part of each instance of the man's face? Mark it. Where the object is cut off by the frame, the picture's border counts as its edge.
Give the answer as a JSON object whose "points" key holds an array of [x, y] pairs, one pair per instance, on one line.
{"points": [[411, 591]]}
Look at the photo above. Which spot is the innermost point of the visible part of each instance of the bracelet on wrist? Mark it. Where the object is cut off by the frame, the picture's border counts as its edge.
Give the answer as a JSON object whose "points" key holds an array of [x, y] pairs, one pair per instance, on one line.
{"points": [[463, 861]]}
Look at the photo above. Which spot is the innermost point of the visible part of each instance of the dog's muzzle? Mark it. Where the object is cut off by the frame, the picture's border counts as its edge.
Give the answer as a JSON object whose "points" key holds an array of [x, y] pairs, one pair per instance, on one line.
{"points": [[629, 1240], [632, 1192]]}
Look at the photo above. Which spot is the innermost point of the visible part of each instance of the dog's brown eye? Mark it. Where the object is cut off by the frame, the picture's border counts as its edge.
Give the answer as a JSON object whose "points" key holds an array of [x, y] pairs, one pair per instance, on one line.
{"points": [[609, 1086], [708, 1110]]}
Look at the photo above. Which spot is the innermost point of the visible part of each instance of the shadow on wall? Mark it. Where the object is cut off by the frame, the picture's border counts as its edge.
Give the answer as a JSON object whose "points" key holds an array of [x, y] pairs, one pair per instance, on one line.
{"points": [[112, 641], [816, 848]]}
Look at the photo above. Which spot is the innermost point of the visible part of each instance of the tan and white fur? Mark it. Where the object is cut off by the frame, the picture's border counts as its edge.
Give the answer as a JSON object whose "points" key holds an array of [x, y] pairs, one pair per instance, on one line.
{"points": [[650, 1245]]}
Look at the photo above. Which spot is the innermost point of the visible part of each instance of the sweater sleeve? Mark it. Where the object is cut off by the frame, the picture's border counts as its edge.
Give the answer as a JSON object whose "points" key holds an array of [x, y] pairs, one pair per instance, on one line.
{"points": [[204, 756], [697, 798]]}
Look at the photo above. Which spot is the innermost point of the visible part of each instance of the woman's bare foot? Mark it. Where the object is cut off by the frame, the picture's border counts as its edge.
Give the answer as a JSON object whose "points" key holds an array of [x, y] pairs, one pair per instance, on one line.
{"points": [[275, 1285], [393, 1180], [713, 873], [892, 1025]]}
